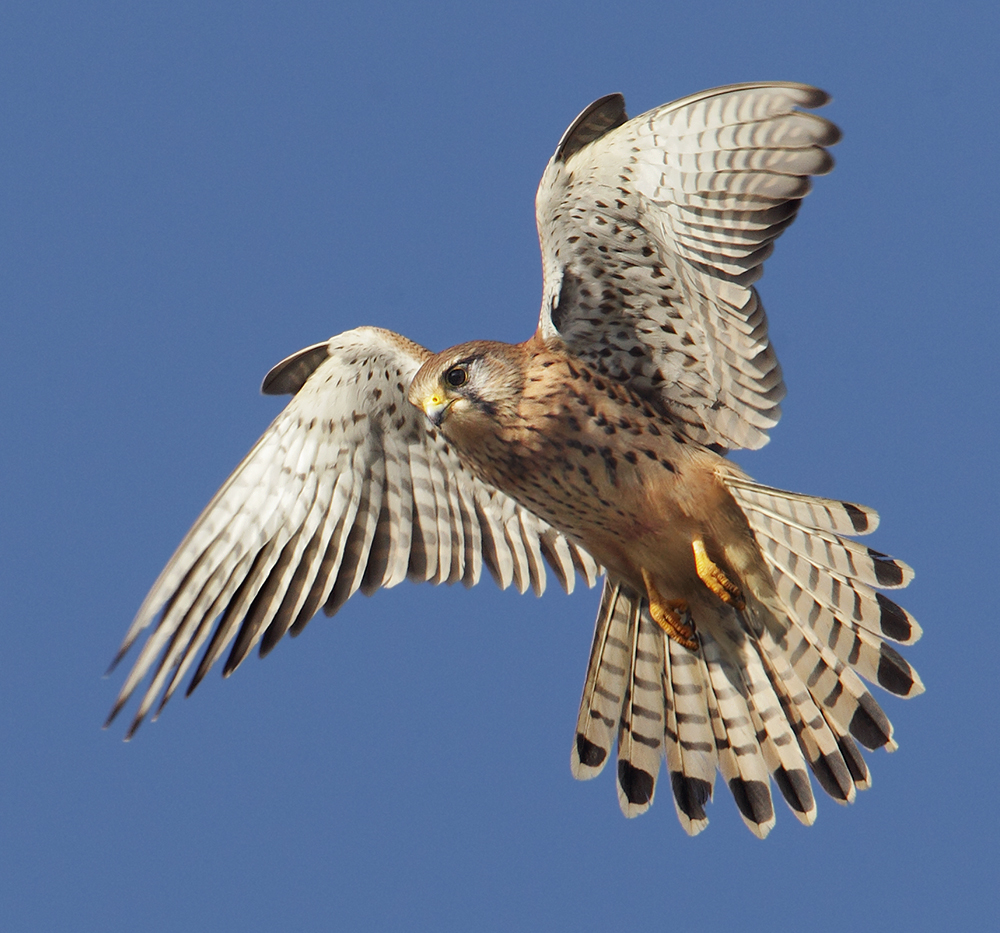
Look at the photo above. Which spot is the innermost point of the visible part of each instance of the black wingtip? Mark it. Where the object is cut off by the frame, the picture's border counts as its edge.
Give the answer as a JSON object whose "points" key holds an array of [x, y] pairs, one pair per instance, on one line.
{"points": [[197, 677], [237, 654], [163, 702], [115, 710], [133, 728], [116, 660]]}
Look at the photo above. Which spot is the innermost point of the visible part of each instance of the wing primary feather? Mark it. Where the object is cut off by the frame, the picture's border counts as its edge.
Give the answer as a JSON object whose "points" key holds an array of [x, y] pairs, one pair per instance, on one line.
{"points": [[305, 590], [301, 520], [473, 537], [225, 628], [358, 543], [329, 565], [533, 551], [347, 489], [380, 554], [456, 527], [653, 232], [556, 552]]}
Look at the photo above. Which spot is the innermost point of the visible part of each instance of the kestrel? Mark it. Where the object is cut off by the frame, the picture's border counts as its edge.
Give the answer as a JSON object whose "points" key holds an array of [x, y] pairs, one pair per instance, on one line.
{"points": [[737, 621]]}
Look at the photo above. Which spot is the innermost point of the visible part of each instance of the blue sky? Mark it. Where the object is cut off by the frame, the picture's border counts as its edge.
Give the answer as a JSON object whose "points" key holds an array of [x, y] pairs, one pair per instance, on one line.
{"points": [[191, 191]]}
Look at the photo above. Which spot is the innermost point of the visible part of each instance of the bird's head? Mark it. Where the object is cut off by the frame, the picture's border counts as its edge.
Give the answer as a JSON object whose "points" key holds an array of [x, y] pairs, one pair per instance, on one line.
{"points": [[469, 389]]}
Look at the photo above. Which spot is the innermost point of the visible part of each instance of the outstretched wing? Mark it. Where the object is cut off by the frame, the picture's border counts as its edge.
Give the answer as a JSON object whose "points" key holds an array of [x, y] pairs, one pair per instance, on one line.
{"points": [[349, 488], [653, 232]]}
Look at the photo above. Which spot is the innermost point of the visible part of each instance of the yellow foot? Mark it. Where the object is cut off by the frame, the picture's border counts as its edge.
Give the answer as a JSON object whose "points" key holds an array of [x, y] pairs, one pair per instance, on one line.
{"points": [[667, 614], [713, 577]]}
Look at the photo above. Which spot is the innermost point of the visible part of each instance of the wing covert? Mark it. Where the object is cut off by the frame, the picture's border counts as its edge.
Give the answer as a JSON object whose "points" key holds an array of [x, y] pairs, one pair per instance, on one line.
{"points": [[653, 233], [349, 488]]}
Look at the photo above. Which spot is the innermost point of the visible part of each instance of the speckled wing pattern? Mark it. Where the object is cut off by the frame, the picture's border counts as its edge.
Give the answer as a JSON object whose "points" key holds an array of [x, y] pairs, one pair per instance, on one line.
{"points": [[653, 231], [349, 488]]}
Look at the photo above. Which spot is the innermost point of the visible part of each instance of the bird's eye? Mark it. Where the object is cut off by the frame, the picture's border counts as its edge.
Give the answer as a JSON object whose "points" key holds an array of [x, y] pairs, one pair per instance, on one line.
{"points": [[456, 376]]}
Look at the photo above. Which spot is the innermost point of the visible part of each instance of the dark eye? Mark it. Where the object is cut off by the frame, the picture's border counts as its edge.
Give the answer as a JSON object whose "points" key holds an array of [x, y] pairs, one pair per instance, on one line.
{"points": [[456, 376]]}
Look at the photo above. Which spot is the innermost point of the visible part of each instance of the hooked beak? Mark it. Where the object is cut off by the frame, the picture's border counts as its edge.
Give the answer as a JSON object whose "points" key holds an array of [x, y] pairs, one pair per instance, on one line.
{"points": [[436, 408]]}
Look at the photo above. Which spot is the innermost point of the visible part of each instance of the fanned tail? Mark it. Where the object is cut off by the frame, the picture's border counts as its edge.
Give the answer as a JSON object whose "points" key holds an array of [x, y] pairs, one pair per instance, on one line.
{"points": [[649, 692], [773, 691], [821, 626]]}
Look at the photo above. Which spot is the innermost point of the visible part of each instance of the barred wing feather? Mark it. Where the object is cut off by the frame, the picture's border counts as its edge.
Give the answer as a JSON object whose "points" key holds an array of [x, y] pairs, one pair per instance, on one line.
{"points": [[349, 488], [653, 231]]}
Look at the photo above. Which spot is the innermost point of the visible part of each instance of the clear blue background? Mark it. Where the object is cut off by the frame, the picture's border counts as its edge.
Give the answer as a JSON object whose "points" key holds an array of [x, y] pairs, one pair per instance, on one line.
{"points": [[190, 191]]}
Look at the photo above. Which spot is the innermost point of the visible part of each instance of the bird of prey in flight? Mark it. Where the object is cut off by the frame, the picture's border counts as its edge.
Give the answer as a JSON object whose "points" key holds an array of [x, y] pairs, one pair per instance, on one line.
{"points": [[738, 623]]}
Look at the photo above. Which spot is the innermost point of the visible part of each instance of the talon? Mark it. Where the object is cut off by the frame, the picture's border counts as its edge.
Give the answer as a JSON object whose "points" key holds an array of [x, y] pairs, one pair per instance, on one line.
{"points": [[714, 578], [667, 613]]}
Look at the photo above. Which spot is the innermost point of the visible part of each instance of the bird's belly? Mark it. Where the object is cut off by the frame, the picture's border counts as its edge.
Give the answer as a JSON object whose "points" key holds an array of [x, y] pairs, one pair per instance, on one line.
{"points": [[655, 533], [618, 477], [638, 516]]}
